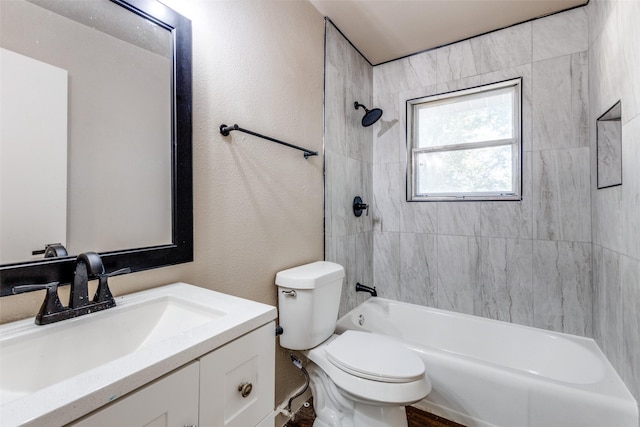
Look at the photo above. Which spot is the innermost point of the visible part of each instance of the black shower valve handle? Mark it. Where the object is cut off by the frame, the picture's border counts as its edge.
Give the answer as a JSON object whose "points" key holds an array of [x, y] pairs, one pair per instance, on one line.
{"points": [[359, 206]]}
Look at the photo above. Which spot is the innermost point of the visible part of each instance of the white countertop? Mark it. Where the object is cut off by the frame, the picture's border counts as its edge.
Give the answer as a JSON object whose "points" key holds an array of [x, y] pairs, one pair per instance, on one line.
{"points": [[73, 397]]}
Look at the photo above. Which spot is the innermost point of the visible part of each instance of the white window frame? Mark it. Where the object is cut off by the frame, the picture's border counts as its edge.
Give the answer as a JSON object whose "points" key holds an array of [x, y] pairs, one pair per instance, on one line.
{"points": [[516, 142]]}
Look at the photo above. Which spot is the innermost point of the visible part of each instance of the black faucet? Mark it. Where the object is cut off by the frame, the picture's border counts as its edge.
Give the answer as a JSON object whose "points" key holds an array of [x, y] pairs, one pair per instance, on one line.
{"points": [[89, 266], [363, 288]]}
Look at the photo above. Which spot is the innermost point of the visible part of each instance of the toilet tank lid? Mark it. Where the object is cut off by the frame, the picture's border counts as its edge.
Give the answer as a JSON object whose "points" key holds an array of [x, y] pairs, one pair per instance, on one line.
{"points": [[310, 276]]}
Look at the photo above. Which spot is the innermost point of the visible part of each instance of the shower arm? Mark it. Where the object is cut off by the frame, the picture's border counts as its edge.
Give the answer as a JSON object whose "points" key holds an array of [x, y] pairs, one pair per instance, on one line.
{"points": [[225, 130]]}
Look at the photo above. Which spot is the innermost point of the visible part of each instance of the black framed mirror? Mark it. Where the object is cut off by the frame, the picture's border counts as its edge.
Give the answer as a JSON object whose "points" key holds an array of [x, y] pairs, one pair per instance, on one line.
{"points": [[179, 246]]}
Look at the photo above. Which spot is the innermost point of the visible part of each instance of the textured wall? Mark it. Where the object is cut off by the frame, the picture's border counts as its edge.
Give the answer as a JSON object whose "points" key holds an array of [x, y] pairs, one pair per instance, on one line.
{"points": [[614, 74], [348, 151], [257, 205], [526, 262]]}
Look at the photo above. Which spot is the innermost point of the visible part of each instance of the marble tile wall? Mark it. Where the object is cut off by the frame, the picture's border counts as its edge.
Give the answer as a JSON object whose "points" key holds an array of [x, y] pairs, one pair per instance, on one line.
{"points": [[566, 257], [527, 262], [614, 74], [348, 160]]}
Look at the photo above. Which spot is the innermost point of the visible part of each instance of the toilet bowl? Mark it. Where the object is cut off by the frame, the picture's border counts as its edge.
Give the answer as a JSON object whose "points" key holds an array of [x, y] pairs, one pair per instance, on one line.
{"points": [[364, 379], [357, 379]]}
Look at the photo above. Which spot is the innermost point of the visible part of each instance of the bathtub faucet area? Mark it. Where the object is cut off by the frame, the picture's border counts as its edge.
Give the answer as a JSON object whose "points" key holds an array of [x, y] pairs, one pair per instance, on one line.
{"points": [[362, 288]]}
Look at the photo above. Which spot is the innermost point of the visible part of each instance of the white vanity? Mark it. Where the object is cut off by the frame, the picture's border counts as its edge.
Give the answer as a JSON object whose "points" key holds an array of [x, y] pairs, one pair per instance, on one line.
{"points": [[174, 355]]}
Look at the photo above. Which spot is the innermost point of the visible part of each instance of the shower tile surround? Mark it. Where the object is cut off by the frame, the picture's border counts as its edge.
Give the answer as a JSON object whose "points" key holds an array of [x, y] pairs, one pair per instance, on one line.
{"points": [[348, 164], [614, 70], [566, 257]]}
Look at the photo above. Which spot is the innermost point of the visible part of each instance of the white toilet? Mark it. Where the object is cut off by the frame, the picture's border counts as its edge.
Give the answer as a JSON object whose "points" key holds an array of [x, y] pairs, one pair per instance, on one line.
{"points": [[358, 379]]}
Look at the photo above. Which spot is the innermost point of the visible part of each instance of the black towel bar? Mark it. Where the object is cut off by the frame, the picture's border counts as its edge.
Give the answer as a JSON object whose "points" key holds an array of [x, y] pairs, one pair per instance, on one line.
{"points": [[224, 130]]}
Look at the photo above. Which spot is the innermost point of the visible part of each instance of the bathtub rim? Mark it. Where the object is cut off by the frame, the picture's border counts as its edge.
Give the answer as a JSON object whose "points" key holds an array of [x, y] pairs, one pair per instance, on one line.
{"points": [[610, 385]]}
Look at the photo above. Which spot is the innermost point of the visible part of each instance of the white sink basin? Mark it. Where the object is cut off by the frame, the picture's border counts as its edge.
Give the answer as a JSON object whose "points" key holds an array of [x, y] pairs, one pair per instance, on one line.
{"points": [[56, 373], [44, 356]]}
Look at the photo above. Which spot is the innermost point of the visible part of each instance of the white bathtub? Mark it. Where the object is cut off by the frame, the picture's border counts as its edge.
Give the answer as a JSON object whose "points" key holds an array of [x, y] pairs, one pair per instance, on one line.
{"points": [[490, 373]]}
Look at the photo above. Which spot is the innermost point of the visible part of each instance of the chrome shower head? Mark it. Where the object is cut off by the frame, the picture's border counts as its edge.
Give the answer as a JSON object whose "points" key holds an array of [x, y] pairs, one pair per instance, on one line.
{"points": [[370, 116]]}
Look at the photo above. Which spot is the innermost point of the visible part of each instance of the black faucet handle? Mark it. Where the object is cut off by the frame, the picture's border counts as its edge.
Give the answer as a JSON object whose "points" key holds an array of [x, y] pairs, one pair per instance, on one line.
{"points": [[20, 289], [103, 293], [116, 272], [50, 305]]}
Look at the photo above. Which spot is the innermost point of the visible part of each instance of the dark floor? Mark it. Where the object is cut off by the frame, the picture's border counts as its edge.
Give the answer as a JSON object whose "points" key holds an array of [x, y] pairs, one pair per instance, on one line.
{"points": [[415, 418]]}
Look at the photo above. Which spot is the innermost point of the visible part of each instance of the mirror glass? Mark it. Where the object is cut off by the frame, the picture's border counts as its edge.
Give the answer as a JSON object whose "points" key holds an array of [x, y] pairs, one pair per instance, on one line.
{"points": [[86, 132], [96, 138], [609, 147]]}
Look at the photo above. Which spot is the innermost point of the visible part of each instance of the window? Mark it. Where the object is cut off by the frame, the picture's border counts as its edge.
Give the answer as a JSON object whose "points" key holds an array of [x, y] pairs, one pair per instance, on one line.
{"points": [[465, 145]]}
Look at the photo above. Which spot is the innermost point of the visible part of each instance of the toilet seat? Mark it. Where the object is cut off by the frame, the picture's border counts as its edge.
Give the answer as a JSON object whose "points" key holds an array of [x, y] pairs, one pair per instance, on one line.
{"points": [[370, 392], [374, 357]]}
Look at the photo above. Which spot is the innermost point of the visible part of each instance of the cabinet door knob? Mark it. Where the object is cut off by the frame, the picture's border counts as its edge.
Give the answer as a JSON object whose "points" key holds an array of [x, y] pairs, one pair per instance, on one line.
{"points": [[245, 389]]}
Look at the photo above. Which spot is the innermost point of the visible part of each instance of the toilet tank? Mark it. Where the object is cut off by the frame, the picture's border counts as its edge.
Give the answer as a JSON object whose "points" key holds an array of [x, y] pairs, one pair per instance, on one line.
{"points": [[308, 303]]}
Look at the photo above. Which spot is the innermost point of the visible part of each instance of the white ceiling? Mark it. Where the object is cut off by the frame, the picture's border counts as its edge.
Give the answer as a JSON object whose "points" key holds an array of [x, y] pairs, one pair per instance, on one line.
{"points": [[384, 30]]}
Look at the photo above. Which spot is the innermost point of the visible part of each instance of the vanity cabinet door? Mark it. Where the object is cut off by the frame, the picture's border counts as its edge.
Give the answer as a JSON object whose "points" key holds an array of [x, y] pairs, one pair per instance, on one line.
{"points": [[237, 381], [168, 402]]}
